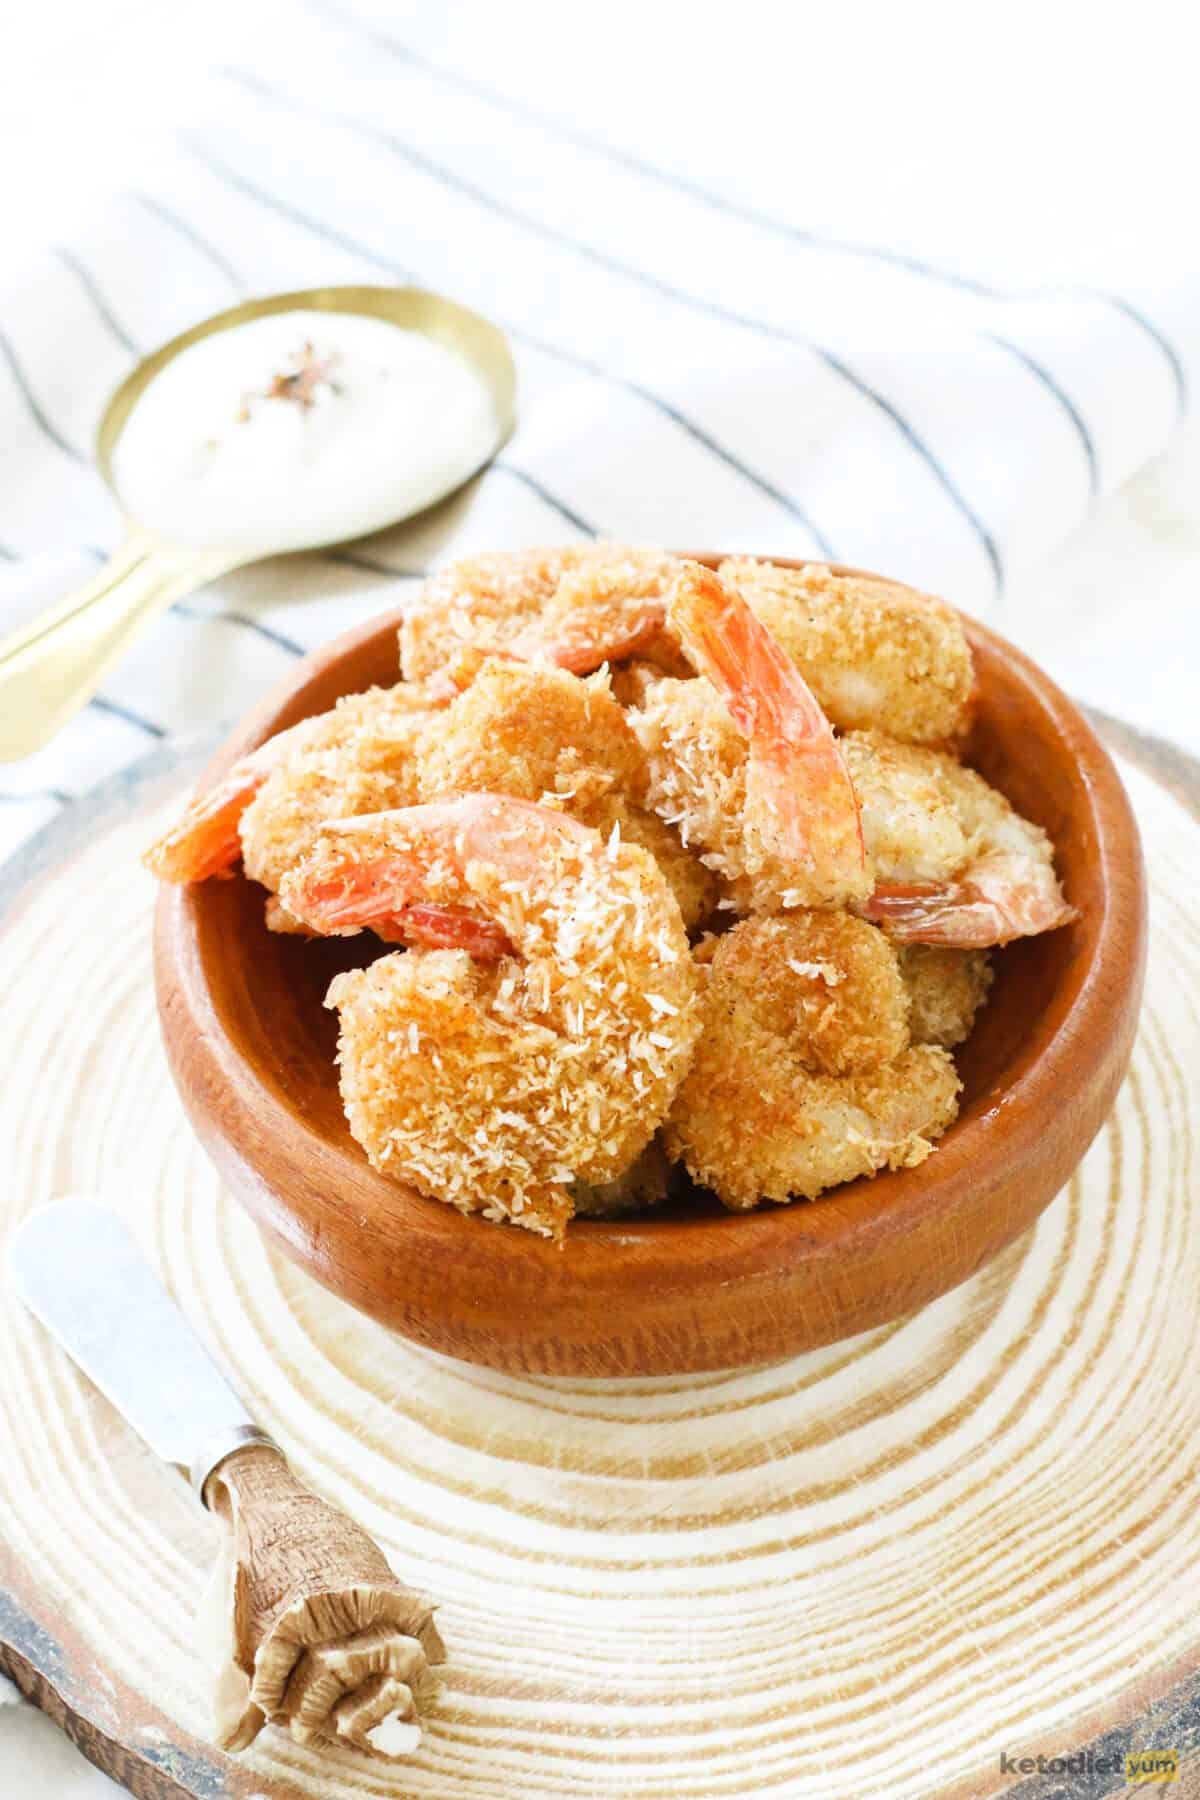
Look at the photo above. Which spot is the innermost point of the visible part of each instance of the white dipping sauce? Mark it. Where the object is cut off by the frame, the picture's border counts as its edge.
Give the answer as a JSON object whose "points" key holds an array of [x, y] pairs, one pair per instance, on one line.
{"points": [[300, 428]]}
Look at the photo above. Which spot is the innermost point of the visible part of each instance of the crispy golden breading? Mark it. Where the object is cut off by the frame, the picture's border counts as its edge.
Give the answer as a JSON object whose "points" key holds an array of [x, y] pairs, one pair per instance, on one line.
{"points": [[495, 1088], [697, 890], [802, 1078], [823, 983], [596, 751], [525, 730], [926, 816], [876, 654], [204, 841], [359, 757], [698, 763], [909, 799], [577, 598], [540, 733], [946, 988]]}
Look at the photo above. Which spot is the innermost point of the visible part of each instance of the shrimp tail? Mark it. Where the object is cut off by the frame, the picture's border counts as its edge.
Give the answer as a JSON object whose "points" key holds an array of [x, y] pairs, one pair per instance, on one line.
{"points": [[796, 770], [378, 869], [205, 841], [1005, 897], [459, 671], [583, 642], [423, 925], [430, 927], [355, 892]]}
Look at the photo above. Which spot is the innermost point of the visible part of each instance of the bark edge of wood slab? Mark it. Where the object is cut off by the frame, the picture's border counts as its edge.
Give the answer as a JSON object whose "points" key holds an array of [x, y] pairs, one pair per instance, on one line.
{"points": [[251, 1050]]}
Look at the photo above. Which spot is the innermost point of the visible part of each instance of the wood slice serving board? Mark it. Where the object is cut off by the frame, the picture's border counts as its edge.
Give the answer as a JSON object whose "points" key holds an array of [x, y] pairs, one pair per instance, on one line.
{"points": [[870, 1573]]}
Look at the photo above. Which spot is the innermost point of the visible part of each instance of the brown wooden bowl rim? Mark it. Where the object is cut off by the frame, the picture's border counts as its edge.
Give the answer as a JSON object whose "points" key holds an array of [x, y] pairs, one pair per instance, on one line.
{"points": [[666, 1252]]}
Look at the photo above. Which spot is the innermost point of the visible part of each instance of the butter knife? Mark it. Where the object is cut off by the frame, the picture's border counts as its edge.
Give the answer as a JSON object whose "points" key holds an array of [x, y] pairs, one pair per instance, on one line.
{"points": [[300, 1592]]}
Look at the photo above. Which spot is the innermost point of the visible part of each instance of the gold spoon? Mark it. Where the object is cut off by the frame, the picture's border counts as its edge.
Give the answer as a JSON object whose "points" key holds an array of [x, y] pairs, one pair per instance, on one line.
{"points": [[52, 666]]}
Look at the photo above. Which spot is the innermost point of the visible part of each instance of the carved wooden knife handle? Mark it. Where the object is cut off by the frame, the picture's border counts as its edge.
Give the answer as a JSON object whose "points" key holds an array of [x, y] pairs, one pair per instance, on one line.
{"points": [[316, 1632]]}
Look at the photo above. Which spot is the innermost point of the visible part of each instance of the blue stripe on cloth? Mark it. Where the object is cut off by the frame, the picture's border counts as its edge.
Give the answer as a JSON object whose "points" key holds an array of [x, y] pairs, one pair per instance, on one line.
{"points": [[355, 559], [378, 259], [33, 795], [185, 229], [543, 493], [717, 202], [630, 272], [88, 284], [504, 209], [1160, 338], [639, 165], [39, 417], [1065, 401], [245, 621], [127, 714]]}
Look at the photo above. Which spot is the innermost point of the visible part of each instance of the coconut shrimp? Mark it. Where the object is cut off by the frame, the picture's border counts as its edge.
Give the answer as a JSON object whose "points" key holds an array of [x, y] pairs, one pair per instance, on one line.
{"points": [[361, 757], [946, 989], [576, 607], [954, 863], [543, 734], [262, 805], [494, 1086], [804, 1076], [877, 655], [744, 762]]}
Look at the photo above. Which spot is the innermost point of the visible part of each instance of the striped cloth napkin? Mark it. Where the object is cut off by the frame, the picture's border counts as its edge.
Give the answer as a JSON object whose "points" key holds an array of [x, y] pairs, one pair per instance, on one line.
{"points": [[703, 360]]}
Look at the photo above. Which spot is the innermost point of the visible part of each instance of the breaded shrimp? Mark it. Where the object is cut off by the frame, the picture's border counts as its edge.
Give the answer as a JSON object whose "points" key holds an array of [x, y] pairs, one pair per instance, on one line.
{"points": [[954, 863], [877, 655], [946, 988], [359, 757], [354, 749], [578, 607], [542, 734], [524, 730], [803, 1077], [744, 762], [494, 1087]]}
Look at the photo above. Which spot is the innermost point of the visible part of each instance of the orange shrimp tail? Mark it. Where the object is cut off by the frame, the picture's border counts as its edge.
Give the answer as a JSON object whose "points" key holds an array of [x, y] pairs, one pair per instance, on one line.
{"points": [[459, 671], [926, 912], [432, 927], [580, 649], [352, 892], [205, 842], [958, 916], [376, 894], [797, 767], [357, 878], [583, 654]]}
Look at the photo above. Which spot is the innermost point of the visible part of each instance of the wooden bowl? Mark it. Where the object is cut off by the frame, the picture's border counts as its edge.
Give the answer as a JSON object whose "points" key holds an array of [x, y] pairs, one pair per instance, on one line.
{"points": [[251, 1050]]}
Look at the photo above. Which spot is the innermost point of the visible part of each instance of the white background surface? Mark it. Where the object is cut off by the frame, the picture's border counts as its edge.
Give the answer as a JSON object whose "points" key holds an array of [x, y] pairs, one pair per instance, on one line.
{"points": [[1056, 143]]}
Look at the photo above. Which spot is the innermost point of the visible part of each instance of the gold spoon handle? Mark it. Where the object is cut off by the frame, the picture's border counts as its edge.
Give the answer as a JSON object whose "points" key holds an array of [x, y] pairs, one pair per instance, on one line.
{"points": [[52, 666]]}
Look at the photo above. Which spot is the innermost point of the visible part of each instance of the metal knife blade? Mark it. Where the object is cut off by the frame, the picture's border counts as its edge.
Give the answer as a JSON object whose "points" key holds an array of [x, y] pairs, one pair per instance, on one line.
{"points": [[78, 1269]]}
